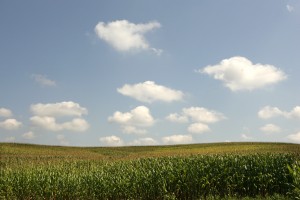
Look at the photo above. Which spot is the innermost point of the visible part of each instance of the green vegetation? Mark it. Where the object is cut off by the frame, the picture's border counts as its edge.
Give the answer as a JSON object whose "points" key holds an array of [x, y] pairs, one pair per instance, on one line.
{"points": [[210, 171], [295, 172]]}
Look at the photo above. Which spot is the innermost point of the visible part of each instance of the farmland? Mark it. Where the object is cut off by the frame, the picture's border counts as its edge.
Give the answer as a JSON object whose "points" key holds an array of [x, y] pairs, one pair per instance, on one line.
{"points": [[212, 171]]}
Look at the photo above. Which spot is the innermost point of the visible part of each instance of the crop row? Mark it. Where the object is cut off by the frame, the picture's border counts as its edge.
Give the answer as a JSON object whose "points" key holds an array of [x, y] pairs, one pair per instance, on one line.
{"points": [[190, 177]]}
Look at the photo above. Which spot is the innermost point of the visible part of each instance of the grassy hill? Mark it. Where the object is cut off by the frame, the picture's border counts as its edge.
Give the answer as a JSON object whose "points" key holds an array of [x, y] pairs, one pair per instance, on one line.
{"points": [[15, 150], [196, 171]]}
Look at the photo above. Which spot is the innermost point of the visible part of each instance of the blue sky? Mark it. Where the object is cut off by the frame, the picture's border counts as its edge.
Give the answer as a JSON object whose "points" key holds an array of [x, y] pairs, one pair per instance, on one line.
{"points": [[114, 73]]}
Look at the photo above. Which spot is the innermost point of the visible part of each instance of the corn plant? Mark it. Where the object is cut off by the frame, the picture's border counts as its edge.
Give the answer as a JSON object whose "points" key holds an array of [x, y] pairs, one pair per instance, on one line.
{"points": [[294, 170], [191, 177]]}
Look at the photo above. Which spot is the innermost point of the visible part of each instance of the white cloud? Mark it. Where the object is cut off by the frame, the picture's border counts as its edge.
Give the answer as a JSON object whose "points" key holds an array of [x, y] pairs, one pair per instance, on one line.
{"points": [[138, 117], [200, 114], [143, 141], [76, 124], [295, 113], [246, 137], [66, 108], [268, 112], [4, 112], [270, 128], [149, 92], [10, 124], [290, 8], [43, 80], [294, 137], [111, 141], [125, 36], [133, 130], [29, 135], [175, 117], [49, 123], [177, 139], [46, 114], [198, 128], [62, 140], [239, 73]]}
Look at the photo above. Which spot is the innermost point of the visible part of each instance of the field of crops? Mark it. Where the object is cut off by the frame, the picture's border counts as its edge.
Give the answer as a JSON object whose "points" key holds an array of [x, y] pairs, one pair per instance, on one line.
{"points": [[207, 171]]}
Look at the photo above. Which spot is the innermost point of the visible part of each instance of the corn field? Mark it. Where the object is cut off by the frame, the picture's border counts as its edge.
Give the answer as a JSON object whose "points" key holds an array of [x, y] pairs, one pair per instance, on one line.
{"points": [[173, 177]]}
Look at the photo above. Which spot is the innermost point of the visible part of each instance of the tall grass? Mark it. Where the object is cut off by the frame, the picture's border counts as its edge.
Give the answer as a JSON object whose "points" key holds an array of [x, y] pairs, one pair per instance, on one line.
{"points": [[192, 177]]}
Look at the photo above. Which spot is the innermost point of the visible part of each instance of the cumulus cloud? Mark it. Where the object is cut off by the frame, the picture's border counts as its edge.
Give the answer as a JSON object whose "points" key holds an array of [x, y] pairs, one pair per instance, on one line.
{"points": [[77, 124], [45, 116], [49, 123], [294, 113], [149, 92], [10, 124], [198, 128], [133, 130], [143, 141], [199, 117], [270, 128], [4, 112], [177, 139], [246, 137], [268, 112], [200, 114], [294, 137], [125, 36], [239, 73], [111, 141], [175, 117], [139, 116], [29, 135], [66, 108], [133, 120], [43, 80]]}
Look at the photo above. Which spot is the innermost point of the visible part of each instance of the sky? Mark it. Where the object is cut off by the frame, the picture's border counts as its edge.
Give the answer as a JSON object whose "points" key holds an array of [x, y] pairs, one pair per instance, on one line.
{"points": [[123, 73]]}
